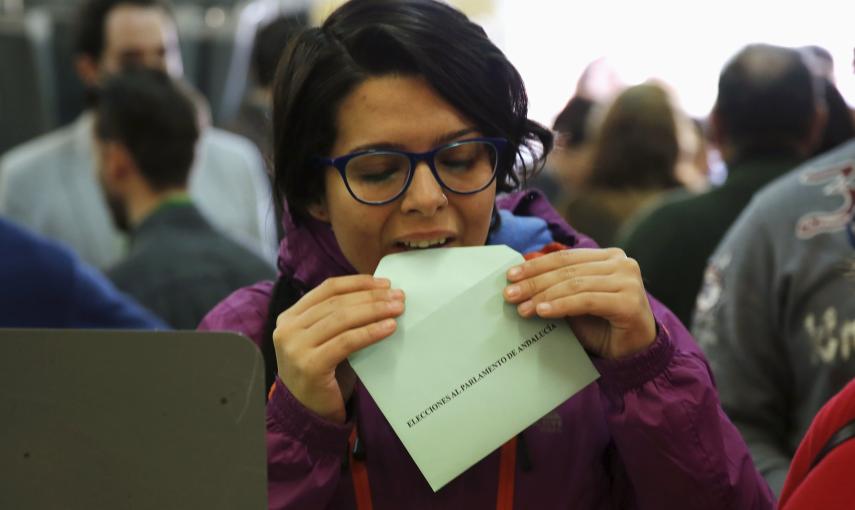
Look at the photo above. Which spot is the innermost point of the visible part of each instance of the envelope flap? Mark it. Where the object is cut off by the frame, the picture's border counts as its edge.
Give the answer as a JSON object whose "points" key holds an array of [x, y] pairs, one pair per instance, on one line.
{"points": [[429, 278]]}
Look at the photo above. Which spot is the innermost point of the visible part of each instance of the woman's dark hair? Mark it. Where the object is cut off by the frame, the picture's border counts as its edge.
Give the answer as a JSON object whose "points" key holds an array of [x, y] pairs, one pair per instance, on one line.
{"points": [[370, 38], [637, 144]]}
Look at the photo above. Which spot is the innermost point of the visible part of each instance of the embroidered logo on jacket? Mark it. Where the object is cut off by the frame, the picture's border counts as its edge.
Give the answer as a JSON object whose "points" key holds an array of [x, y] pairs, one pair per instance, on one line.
{"points": [[705, 329], [832, 337], [837, 180]]}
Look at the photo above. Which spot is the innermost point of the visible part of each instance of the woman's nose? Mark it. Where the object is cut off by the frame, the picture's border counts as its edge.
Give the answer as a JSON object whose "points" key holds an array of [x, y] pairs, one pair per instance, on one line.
{"points": [[425, 195]]}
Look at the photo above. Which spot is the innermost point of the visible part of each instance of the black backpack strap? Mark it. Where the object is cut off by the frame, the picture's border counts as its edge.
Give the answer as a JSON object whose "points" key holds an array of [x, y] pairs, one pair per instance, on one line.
{"points": [[843, 434], [286, 292]]}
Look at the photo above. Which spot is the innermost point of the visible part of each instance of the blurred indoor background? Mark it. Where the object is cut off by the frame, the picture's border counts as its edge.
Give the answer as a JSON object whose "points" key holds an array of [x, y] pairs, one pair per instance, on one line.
{"points": [[551, 42]]}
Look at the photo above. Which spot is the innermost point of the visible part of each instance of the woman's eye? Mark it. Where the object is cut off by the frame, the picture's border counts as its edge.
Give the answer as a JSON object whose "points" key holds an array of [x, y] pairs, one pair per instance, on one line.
{"points": [[378, 175], [458, 164], [461, 158], [377, 168]]}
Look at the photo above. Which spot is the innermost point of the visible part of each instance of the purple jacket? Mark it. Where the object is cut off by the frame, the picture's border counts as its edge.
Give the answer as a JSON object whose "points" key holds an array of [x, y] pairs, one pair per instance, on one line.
{"points": [[649, 434]]}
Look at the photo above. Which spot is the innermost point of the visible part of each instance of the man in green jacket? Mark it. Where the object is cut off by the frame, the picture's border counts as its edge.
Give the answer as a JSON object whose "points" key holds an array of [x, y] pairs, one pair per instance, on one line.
{"points": [[178, 265]]}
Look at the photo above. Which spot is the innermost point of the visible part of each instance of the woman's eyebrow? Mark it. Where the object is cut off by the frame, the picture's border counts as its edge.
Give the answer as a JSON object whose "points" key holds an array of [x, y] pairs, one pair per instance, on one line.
{"points": [[443, 139], [450, 137]]}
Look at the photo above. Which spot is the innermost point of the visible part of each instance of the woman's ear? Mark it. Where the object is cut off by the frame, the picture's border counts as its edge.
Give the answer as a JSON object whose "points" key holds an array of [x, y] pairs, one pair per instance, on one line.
{"points": [[319, 211]]}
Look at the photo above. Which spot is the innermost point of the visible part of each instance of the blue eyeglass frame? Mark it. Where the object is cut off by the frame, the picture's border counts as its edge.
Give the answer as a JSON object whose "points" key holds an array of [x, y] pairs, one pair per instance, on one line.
{"points": [[340, 164]]}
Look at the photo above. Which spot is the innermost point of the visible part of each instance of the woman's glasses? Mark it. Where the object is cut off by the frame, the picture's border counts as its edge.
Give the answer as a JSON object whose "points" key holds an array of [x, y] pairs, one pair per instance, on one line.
{"points": [[380, 176]]}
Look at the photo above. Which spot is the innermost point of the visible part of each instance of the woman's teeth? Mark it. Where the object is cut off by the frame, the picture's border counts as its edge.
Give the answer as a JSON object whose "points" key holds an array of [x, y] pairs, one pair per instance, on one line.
{"points": [[424, 244]]}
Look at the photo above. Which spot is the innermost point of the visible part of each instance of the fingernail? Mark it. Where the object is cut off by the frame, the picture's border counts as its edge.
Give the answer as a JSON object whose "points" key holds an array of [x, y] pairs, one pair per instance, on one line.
{"points": [[387, 324], [396, 294], [514, 272], [525, 308], [382, 282], [512, 291], [544, 308], [395, 305]]}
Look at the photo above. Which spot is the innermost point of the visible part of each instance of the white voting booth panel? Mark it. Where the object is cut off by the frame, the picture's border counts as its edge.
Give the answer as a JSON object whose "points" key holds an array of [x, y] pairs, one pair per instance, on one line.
{"points": [[133, 420]]}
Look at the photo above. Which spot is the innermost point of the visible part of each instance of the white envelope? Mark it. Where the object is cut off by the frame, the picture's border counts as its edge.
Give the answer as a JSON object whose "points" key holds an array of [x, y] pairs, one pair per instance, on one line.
{"points": [[463, 373]]}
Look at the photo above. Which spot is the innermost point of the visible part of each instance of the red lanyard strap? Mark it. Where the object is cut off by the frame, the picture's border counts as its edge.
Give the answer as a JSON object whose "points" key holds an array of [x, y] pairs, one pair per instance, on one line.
{"points": [[359, 474], [507, 470], [504, 496]]}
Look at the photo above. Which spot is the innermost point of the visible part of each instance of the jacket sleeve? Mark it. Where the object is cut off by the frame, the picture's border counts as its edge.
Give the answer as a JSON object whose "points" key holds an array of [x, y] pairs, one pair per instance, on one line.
{"points": [[736, 327], [304, 454], [678, 448]]}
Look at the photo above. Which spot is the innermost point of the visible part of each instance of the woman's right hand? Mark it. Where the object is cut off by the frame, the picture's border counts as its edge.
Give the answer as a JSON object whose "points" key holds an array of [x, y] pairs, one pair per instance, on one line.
{"points": [[314, 337]]}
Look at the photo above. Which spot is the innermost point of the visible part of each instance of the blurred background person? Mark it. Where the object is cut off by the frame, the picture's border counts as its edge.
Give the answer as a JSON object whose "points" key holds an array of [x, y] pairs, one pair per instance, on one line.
{"points": [[45, 285], [49, 185], [566, 168], [840, 123], [693, 168], [768, 117], [776, 315], [633, 161], [840, 119], [820, 61], [775, 318], [178, 265], [254, 116], [600, 81]]}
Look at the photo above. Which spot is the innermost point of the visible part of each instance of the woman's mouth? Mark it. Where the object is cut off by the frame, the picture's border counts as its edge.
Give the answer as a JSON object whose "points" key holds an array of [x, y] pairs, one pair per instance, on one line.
{"points": [[422, 244]]}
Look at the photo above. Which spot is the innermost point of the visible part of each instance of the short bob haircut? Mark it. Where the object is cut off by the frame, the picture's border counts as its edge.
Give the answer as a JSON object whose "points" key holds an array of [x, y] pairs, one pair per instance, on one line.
{"points": [[637, 145], [371, 38]]}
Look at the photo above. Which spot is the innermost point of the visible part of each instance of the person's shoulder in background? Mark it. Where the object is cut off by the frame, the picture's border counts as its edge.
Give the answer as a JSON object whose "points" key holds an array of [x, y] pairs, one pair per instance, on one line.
{"points": [[823, 180], [37, 172], [221, 142], [43, 284], [32, 151]]}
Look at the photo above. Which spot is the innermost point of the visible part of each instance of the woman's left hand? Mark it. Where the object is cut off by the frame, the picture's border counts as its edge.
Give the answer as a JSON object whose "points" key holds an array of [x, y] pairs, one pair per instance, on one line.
{"points": [[599, 291]]}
